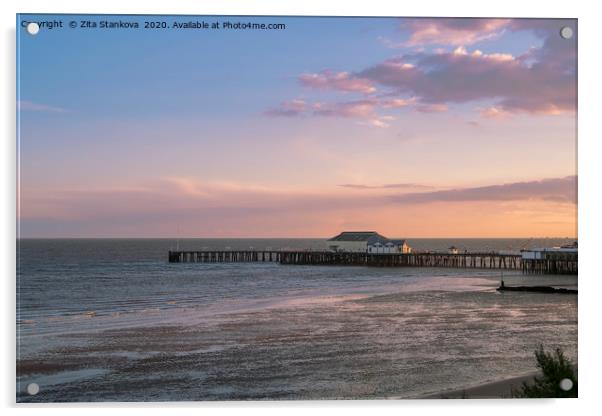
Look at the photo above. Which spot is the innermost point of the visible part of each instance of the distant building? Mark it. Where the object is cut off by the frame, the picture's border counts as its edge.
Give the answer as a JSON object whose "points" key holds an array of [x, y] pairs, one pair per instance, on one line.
{"points": [[574, 245], [367, 242], [453, 250], [545, 253]]}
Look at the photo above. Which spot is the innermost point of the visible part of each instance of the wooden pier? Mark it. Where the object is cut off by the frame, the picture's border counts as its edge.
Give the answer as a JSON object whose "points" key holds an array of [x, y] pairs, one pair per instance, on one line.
{"points": [[559, 264], [224, 256]]}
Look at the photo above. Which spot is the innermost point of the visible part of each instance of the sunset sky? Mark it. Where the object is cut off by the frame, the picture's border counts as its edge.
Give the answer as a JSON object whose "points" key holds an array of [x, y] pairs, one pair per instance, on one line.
{"points": [[409, 127]]}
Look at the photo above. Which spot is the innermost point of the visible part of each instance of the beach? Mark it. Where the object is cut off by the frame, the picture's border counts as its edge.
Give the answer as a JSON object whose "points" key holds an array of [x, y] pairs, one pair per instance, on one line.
{"points": [[144, 330], [501, 389]]}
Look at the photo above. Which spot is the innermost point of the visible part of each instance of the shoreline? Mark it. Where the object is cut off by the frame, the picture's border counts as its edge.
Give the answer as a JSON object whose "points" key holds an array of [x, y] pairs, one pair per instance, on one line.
{"points": [[499, 389]]}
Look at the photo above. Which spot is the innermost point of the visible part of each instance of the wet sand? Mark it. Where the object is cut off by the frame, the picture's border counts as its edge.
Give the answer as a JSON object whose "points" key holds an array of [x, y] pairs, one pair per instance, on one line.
{"points": [[400, 345], [501, 389]]}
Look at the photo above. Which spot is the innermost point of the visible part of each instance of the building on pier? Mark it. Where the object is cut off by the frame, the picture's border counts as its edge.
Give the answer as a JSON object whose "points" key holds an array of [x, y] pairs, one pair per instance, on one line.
{"points": [[574, 245], [547, 253], [367, 242]]}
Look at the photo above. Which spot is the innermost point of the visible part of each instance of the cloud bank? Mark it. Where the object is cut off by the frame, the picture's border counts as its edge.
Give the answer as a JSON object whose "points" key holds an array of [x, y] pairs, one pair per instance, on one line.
{"points": [[242, 209], [540, 81], [563, 190]]}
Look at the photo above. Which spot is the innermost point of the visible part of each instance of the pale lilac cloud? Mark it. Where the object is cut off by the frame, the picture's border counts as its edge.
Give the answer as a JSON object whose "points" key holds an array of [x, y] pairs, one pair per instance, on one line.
{"points": [[389, 43], [386, 186], [359, 108], [432, 108], [552, 189], [290, 108], [31, 106]]}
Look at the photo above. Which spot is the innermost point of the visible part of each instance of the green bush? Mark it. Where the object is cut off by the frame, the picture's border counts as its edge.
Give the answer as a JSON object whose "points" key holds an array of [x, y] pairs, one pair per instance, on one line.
{"points": [[555, 367]]}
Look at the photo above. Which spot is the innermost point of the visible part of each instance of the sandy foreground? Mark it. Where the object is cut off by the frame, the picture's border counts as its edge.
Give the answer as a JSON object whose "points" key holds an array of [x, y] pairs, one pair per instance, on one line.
{"points": [[422, 342], [501, 389], [492, 390]]}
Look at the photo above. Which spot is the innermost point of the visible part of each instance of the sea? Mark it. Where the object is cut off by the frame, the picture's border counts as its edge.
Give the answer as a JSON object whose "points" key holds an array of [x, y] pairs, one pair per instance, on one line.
{"points": [[112, 320]]}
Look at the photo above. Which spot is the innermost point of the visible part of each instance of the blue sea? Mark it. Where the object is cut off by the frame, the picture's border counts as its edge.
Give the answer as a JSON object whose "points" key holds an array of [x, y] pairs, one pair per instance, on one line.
{"points": [[112, 320]]}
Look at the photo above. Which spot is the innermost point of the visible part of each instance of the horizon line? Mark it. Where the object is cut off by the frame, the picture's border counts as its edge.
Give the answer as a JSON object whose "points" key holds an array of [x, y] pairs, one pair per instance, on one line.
{"points": [[268, 238]]}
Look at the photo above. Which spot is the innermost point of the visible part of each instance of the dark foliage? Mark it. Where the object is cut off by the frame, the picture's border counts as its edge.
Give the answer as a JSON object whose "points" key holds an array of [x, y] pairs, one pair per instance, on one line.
{"points": [[555, 367]]}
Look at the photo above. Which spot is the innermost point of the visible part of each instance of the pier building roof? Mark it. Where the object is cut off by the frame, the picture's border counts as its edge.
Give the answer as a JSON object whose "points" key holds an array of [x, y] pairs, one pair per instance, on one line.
{"points": [[370, 237], [359, 236]]}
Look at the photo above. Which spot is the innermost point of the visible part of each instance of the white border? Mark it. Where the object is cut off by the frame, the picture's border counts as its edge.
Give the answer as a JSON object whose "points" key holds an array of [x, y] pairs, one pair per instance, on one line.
{"points": [[589, 192]]}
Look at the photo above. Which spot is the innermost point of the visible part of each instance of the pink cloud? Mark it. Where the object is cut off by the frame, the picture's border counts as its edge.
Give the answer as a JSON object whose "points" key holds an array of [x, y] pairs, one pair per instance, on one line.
{"points": [[339, 81], [287, 109], [452, 31], [541, 81], [494, 112], [461, 50], [359, 108], [365, 110], [396, 102], [544, 87]]}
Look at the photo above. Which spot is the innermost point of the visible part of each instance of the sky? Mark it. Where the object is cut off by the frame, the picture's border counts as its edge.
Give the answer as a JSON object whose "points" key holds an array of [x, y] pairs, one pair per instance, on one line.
{"points": [[412, 127]]}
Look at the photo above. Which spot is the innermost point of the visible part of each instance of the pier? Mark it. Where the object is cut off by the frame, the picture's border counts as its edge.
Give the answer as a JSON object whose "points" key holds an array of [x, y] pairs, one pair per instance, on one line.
{"points": [[556, 264]]}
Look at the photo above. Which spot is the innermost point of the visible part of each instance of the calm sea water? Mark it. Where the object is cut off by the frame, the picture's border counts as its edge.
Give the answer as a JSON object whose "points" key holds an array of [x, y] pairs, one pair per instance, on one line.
{"points": [[112, 320]]}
